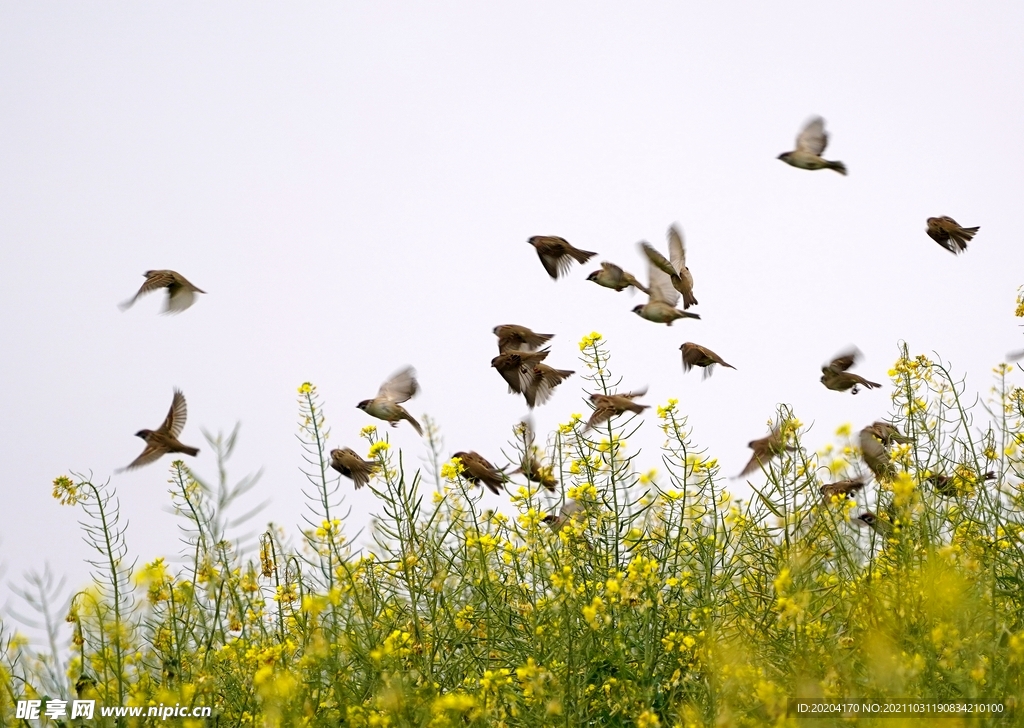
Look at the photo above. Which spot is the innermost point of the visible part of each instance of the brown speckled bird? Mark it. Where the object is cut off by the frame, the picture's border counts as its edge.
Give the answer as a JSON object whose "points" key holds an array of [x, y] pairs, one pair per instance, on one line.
{"points": [[887, 433], [607, 406], [674, 266], [542, 382], [663, 297], [164, 439], [556, 254], [519, 338], [842, 488], [400, 387], [947, 232], [875, 456], [947, 485], [348, 463], [765, 449], [835, 377], [612, 276], [530, 463], [516, 367], [477, 469], [810, 144], [880, 526], [695, 355], [180, 293], [569, 509]]}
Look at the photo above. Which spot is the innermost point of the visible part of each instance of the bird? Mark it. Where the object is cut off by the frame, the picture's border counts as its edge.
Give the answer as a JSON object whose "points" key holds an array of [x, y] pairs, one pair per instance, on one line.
{"points": [[662, 298], [164, 439], [348, 463], [867, 518], [810, 144], [946, 485], [477, 469], [556, 254], [875, 456], [516, 367], [843, 488], [608, 405], [887, 433], [675, 265], [569, 509], [765, 449], [612, 276], [835, 377], [387, 405], [948, 233], [530, 464], [695, 355], [180, 293], [542, 382], [519, 338]]}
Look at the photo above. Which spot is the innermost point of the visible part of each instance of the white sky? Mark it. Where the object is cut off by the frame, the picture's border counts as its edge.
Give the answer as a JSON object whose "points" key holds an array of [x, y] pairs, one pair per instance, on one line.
{"points": [[354, 184]]}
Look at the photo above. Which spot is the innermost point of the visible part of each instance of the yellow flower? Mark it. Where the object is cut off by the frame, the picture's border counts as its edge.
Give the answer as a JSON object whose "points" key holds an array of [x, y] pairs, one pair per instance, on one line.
{"points": [[647, 719], [377, 448], [65, 490], [589, 340], [451, 469], [306, 388]]}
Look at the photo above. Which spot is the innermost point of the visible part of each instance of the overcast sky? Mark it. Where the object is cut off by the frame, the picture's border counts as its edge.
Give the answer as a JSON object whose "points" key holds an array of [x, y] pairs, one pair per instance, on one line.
{"points": [[353, 184]]}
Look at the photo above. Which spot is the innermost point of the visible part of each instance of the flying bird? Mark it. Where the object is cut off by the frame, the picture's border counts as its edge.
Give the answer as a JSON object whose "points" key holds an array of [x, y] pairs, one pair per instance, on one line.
{"points": [[662, 298], [476, 469], [387, 405], [180, 293], [607, 406], [947, 232], [695, 355], [556, 254], [348, 463], [765, 449], [867, 518], [835, 377], [875, 456], [887, 433], [519, 338], [542, 382], [675, 265], [164, 439], [516, 367], [809, 145], [946, 485], [842, 488], [530, 464], [612, 276]]}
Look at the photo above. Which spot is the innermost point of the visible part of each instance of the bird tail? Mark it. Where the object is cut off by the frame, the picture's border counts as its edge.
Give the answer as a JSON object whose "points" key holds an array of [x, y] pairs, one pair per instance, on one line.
{"points": [[990, 475], [689, 299], [193, 451], [838, 167], [581, 256], [637, 408], [865, 382], [636, 284], [687, 314], [414, 423]]}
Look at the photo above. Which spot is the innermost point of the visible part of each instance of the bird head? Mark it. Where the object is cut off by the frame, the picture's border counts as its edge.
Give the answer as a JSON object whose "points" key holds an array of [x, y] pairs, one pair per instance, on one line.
{"points": [[784, 156], [364, 404], [550, 520], [144, 434], [637, 309], [533, 241], [593, 276], [498, 360]]}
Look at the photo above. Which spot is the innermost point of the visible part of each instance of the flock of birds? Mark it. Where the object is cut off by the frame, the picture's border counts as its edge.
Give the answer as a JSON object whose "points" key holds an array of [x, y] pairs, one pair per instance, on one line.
{"points": [[522, 354]]}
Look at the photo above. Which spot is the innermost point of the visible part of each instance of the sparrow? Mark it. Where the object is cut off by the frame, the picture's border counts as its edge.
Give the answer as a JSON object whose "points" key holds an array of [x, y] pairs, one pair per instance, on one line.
{"points": [[612, 276], [476, 469], [844, 488], [530, 464], [660, 308], [947, 232], [348, 463], [835, 377], [164, 439], [675, 266], [887, 433], [569, 509], [946, 485], [556, 254], [765, 449], [387, 405], [809, 146], [695, 355], [542, 382], [180, 293], [876, 457], [519, 338], [876, 524], [608, 405], [516, 367]]}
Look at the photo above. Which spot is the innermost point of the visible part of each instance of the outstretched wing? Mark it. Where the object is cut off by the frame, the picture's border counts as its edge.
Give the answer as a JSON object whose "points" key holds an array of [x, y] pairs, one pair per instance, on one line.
{"points": [[813, 138], [400, 387]]}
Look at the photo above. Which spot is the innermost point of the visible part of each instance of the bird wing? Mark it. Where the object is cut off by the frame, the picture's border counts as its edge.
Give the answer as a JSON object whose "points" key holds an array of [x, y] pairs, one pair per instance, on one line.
{"points": [[615, 272], [400, 387], [659, 260], [543, 381], [179, 298], [844, 361], [676, 249], [154, 279], [152, 453], [175, 421], [661, 284], [813, 138]]}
